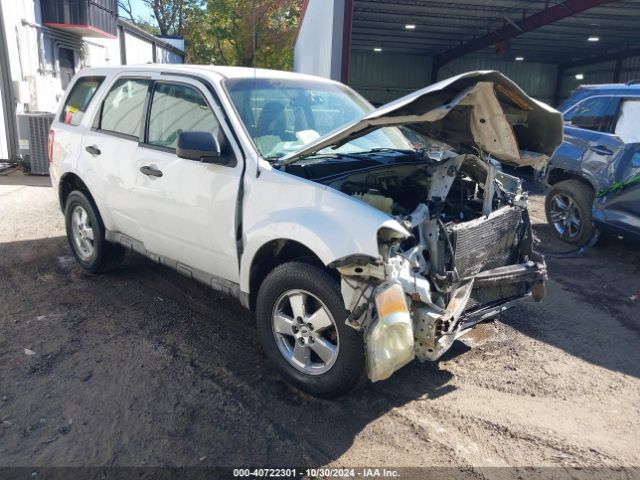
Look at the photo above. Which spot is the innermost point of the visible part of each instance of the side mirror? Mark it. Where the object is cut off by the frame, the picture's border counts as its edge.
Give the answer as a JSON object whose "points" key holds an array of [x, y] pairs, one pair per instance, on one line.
{"points": [[199, 146]]}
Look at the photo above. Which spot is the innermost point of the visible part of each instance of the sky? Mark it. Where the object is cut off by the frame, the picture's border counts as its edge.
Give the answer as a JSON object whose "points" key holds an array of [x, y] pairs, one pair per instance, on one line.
{"points": [[140, 9]]}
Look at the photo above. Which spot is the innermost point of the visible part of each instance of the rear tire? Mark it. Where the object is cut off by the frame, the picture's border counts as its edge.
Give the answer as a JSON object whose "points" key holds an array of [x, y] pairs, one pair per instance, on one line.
{"points": [[85, 233], [301, 324], [568, 206]]}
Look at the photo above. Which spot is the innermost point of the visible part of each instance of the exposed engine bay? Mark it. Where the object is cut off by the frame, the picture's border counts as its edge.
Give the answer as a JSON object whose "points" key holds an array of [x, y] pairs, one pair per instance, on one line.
{"points": [[459, 247], [456, 192], [469, 253]]}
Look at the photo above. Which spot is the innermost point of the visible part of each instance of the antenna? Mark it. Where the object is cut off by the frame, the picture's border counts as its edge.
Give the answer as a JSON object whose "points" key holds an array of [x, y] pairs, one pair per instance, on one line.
{"points": [[255, 72], [254, 38]]}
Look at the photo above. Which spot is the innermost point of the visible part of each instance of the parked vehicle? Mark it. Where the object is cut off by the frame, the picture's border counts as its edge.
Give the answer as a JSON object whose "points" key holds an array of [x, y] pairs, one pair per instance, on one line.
{"points": [[594, 176], [361, 238]]}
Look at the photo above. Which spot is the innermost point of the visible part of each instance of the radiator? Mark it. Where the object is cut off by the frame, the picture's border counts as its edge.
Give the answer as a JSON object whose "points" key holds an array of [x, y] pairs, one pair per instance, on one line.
{"points": [[487, 243]]}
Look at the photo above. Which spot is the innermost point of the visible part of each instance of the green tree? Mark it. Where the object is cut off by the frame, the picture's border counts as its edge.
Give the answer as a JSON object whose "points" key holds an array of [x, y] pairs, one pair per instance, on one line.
{"points": [[247, 33]]}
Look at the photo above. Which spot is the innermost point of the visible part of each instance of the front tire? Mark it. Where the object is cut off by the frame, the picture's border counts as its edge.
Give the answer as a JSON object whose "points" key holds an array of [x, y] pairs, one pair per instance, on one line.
{"points": [[568, 206], [301, 324], [85, 233]]}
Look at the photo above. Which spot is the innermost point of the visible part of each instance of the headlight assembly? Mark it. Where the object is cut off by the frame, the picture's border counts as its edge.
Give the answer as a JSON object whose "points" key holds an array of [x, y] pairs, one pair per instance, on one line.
{"points": [[389, 338]]}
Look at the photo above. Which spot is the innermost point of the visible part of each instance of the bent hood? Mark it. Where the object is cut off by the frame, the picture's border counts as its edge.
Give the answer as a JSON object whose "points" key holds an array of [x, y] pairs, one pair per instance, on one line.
{"points": [[481, 109]]}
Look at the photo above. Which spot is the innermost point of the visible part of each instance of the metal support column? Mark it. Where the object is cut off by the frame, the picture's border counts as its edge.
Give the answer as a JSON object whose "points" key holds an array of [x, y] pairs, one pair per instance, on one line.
{"points": [[556, 93], [6, 85], [123, 48], [617, 71]]}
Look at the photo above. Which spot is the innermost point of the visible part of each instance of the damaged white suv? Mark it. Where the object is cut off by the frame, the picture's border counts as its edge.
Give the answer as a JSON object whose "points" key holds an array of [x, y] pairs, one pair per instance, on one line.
{"points": [[361, 238]]}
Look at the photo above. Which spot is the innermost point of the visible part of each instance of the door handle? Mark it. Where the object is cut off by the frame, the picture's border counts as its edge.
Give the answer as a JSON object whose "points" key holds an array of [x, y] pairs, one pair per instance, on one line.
{"points": [[601, 150], [93, 150], [151, 171]]}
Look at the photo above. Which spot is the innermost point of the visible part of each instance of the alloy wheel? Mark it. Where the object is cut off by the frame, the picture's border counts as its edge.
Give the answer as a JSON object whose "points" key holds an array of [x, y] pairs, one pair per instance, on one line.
{"points": [[82, 232], [305, 332], [565, 216]]}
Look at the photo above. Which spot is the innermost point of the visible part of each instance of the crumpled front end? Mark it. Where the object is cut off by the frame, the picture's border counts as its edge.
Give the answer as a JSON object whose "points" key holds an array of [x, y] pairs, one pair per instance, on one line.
{"points": [[451, 271]]}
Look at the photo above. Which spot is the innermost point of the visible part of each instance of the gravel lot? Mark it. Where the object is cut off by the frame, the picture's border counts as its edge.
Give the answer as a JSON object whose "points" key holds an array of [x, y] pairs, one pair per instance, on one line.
{"points": [[144, 367]]}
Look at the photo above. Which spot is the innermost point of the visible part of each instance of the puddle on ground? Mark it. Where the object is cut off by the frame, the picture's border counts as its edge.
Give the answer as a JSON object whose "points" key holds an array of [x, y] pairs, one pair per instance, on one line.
{"points": [[479, 335]]}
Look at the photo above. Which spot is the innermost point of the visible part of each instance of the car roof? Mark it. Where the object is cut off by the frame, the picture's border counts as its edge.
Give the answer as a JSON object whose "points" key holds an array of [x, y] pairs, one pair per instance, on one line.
{"points": [[586, 91], [217, 70], [609, 88], [634, 84]]}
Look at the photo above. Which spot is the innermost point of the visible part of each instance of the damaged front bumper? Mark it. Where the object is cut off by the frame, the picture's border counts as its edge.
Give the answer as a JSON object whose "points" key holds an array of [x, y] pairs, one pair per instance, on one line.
{"points": [[400, 308], [481, 298]]}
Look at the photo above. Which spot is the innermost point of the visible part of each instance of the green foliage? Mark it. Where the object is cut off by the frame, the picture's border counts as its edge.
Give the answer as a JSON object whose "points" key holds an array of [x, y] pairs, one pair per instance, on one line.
{"points": [[148, 27], [247, 33], [166, 17]]}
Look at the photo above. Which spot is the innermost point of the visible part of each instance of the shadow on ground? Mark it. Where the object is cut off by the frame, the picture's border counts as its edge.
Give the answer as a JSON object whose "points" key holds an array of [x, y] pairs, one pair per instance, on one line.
{"points": [[142, 366], [592, 307]]}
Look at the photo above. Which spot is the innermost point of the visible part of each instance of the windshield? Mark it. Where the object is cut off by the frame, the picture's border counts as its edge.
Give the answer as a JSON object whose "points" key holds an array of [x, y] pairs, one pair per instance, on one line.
{"points": [[284, 115]]}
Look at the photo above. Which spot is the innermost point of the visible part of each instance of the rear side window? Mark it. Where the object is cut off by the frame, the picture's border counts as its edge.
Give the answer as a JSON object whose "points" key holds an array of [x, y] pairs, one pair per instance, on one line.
{"points": [[596, 114], [123, 107], [178, 108], [79, 99], [628, 124]]}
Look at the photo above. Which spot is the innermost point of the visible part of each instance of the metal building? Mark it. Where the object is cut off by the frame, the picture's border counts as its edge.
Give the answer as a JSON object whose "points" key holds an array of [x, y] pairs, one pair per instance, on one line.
{"points": [[387, 48], [44, 42]]}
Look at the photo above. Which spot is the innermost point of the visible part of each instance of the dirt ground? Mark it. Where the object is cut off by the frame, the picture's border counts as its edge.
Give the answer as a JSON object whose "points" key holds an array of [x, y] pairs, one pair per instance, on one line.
{"points": [[143, 367]]}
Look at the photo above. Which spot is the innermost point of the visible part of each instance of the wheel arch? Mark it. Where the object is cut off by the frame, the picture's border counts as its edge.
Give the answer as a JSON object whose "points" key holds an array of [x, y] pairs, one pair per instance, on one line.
{"points": [[71, 181], [558, 175], [68, 183], [274, 253], [581, 194]]}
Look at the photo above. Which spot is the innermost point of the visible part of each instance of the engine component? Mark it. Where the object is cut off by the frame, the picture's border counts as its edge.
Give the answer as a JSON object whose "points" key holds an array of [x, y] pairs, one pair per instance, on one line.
{"points": [[376, 201], [483, 244]]}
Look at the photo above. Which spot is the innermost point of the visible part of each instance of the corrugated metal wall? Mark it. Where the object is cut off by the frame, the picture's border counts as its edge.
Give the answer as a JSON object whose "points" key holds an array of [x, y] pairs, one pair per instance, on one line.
{"points": [[630, 69], [167, 56], [138, 50], [598, 73], [141, 48], [537, 79], [384, 76]]}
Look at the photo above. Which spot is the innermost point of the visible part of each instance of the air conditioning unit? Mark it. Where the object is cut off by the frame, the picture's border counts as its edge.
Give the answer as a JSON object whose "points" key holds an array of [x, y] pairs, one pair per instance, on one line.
{"points": [[33, 140]]}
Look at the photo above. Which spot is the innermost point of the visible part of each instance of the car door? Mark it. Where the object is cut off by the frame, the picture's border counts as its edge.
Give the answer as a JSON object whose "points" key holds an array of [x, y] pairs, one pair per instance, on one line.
{"points": [[109, 150], [619, 202], [589, 136], [187, 209]]}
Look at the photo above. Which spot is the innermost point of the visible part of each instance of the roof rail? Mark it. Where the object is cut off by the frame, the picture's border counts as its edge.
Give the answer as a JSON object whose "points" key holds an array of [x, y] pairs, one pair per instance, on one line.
{"points": [[633, 82]]}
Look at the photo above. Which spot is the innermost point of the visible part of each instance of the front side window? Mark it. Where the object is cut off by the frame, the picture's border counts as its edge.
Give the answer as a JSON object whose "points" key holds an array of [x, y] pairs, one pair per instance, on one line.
{"points": [[123, 107], [178, 108], [79, 99], [593, 114], [282, 116]]}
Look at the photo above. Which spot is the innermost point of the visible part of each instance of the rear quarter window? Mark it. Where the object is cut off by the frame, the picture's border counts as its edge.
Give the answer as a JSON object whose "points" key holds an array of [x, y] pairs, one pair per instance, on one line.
{"points": [[79, 100]]}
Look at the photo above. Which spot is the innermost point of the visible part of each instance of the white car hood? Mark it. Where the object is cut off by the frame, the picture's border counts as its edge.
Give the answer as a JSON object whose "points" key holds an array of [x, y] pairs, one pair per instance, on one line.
{"points": [[481, 109]]}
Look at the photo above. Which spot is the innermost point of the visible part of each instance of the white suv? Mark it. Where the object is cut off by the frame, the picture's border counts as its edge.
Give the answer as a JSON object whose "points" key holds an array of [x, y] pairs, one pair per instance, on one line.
{"points": [[361, 238]]}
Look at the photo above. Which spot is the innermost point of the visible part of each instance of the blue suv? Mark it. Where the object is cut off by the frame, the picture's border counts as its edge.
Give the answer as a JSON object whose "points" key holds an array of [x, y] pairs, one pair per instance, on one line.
{"points": [[594, 175]]}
